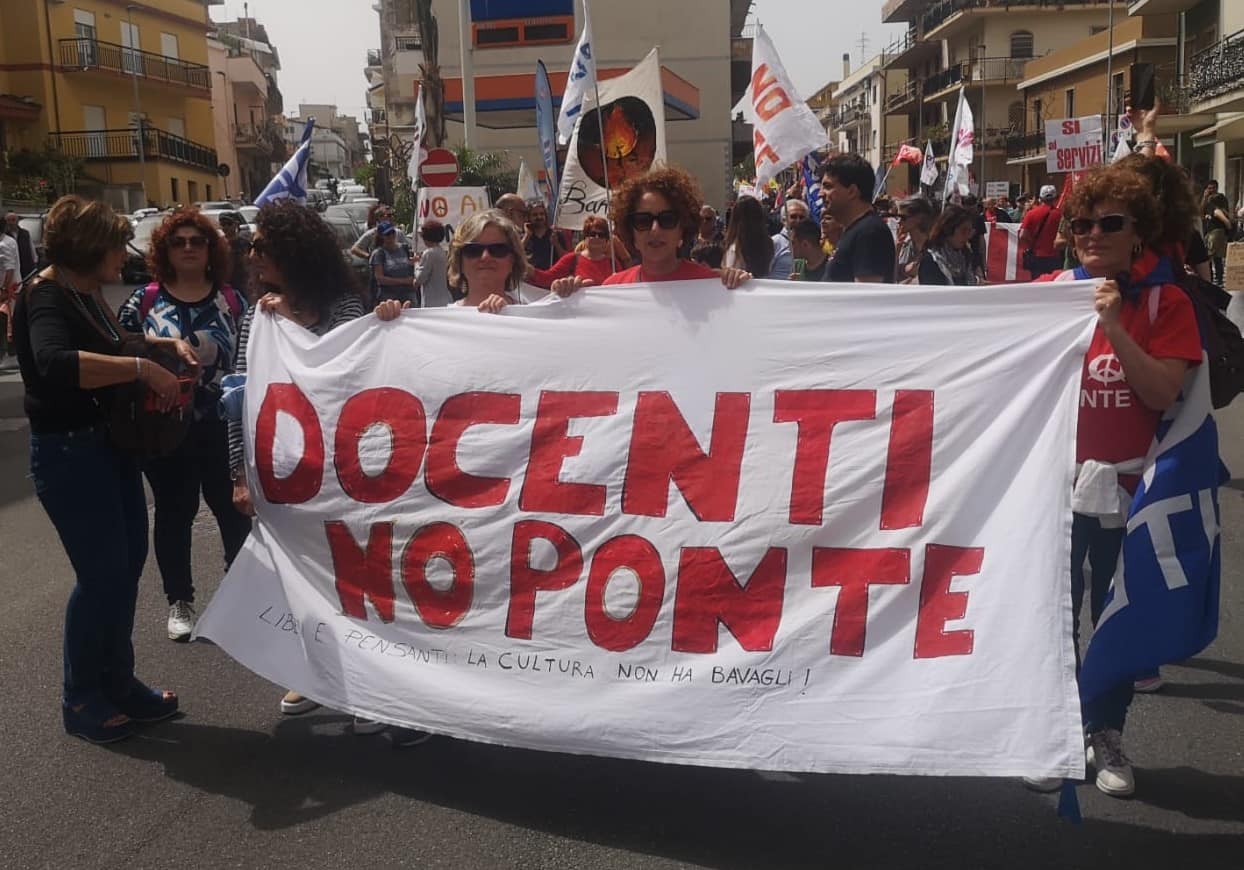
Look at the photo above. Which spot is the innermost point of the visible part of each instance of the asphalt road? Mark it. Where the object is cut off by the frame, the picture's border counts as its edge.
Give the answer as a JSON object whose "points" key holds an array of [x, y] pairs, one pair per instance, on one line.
{"points": [[234, 784]]}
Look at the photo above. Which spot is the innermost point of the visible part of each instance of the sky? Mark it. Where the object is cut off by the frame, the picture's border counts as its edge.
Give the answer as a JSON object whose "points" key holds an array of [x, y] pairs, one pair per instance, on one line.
{"points": [[323, 53]]}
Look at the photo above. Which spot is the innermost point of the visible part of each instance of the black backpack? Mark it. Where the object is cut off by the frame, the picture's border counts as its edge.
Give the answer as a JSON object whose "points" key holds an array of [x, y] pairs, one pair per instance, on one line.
{"points": [[1224, 346]]}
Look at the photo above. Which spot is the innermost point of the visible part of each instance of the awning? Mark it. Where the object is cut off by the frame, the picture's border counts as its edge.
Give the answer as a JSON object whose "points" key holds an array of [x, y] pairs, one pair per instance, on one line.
{"points": [[1229, 127], [508, 101]]}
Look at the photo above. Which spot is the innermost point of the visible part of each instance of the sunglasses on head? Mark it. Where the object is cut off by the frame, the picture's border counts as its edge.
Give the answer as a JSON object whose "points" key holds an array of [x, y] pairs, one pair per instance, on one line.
{"points": [[1109, 223], [596, 234], [496, 250], [643, 220], [195, 242]]}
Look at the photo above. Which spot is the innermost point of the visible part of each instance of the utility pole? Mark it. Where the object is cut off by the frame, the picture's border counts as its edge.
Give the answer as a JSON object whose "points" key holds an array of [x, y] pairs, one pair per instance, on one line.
{"points": [[468, 72], [138, 108]]}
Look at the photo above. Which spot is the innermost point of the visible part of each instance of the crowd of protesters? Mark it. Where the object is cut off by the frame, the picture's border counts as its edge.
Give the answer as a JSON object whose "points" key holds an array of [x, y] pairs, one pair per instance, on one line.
{"points": [[1135, 228]]}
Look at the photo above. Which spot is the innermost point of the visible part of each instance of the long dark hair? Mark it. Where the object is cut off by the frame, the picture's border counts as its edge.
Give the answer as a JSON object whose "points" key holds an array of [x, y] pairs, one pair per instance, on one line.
{"points": [[749, 234], [305, 249], [952, 217]]}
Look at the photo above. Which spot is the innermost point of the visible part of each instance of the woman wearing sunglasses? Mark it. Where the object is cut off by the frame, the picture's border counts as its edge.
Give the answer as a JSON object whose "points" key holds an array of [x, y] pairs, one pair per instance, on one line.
{"points": [[486, 265], [1145, 341], [190, 300], [593, 262], [655, 213]]}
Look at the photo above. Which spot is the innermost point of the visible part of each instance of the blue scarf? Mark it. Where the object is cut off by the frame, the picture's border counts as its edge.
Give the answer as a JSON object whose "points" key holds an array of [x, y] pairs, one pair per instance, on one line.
{"points": [[1148, 270]]}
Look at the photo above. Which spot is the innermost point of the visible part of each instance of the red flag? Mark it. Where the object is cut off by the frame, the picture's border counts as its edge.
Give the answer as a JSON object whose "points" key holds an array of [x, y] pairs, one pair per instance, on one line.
{"points": [[1068, 184], [908, 154], [1002, 260]]}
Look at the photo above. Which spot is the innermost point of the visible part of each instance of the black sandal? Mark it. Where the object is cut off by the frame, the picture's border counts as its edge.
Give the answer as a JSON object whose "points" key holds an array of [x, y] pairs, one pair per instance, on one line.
{"points": [[147, 705], [96, 721]]}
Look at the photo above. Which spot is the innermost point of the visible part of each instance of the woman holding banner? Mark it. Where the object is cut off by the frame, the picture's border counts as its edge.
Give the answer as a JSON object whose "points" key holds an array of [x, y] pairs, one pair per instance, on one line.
{"points": [[1146, 340], [592, 262], [655, 213]]}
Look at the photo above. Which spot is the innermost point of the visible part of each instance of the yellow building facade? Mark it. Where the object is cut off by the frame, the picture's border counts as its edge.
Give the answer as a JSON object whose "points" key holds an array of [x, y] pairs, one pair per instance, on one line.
{"points": [[123, 87]]}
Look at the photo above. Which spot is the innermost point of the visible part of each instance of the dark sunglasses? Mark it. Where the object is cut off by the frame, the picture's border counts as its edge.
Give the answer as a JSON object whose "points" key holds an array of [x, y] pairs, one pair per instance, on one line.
{"points": [[496, 250], [1109, 223], [596, 234], [195, 242], [643, 220]]}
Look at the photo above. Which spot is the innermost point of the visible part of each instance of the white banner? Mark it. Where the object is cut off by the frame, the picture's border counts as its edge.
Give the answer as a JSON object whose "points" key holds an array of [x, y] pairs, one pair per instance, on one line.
{"points": [[449, 205], [784, 129], [1073, 144], [634, 131], [775, 528]]}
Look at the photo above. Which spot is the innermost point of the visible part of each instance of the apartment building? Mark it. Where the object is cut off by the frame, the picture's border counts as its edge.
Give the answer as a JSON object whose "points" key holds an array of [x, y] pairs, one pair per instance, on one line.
{"points": [[861, 120], [705, 60], [981, 47], [125, 88], [246, 102], [1213, 32]]}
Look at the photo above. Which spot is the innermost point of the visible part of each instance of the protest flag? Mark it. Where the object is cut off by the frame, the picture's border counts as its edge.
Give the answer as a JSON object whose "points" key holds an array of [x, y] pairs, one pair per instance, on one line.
{"points": [[580, 81], [419, 154], [291, 181], [527, 187], [784, 129], [928, 174], [546, 131], [908, 154], [811, 189], [961, 149]]}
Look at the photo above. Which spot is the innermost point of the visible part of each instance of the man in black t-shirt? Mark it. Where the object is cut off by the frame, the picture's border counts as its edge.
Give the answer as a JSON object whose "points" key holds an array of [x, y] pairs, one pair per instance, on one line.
{"points": [[865, 253], [805, 246]]}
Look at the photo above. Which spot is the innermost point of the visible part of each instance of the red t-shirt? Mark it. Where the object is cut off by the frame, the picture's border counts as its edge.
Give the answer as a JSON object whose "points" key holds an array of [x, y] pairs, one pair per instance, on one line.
{"points": [[1046, 219], [687, 270], [1115, 425], [579, 265]]}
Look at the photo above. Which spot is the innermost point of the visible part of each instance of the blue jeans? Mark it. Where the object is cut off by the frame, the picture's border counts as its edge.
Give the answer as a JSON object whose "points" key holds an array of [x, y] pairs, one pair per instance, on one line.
{"points": [[94, 497], [1101, 546]]}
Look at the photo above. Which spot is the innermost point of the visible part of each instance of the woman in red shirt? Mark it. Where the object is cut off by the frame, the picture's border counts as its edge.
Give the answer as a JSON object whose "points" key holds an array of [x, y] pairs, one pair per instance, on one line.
{"points": [[1146, 340], [594, 263], [655, 213]]}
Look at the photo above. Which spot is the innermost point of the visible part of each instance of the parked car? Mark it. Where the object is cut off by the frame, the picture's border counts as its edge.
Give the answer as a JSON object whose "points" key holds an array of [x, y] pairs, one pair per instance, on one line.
{"points": [[33, 224], [215, 205], [347, 233], [358, 210], [135, 270]]}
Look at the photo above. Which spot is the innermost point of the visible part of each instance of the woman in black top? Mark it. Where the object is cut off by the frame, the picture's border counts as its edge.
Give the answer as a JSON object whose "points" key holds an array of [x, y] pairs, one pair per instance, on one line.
{"points": [[948, 257], [67, 346]]}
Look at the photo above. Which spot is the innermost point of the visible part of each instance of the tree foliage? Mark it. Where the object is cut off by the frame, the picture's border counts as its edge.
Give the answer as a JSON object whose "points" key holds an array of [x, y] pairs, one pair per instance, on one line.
{"points": [[488, 169]]}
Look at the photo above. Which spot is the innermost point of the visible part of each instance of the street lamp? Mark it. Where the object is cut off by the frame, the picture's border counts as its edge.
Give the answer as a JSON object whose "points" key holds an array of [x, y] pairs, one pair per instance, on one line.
{"points": [[229, 127], [138, 109]]}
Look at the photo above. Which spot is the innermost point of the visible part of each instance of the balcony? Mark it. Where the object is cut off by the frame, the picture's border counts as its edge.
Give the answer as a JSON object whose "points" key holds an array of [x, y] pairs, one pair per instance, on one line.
{"points": [[850, 116], [408, 42], [941, 81], [118, 145], [909, 51], [1216, 81], [996, 70], [91, 54], [907, 98], [373, 57], [1025, 144], [950, 12], [262, 139]]}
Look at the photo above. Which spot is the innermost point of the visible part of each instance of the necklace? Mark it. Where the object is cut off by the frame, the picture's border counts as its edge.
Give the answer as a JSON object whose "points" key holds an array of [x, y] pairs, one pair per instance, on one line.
{"points": [[98, 315]]}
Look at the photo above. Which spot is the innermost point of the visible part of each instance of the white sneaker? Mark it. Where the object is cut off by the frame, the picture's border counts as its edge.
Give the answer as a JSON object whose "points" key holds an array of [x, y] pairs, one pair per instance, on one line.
{"points": [[1114, 769], [1043, 783], [294, 704], [181, 620], [367, 726]]}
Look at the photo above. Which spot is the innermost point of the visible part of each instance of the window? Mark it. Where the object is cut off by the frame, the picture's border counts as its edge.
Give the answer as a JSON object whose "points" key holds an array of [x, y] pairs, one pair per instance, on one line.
{"points": [[1117, 94], [524, 31], [177, 126], [207, 191], [168, 45], [94, 119], [84, 32], [1038, 119], [1021, 44], [1015, 115], [1069, 103], [192, 191], [172, 183], [131, 61], [496, 36]]}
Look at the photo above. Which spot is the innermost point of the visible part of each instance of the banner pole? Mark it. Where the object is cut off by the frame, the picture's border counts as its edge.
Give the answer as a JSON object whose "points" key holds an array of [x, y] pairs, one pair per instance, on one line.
{"points": [[604, 165]]}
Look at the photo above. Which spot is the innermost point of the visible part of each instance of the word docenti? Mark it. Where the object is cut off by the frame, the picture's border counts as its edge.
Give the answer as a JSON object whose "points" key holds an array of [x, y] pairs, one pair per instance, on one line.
{"points": [[663, 451]]}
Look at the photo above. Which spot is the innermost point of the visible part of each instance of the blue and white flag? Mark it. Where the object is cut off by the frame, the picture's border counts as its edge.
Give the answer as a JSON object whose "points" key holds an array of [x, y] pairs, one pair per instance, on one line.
{"points": [[579, 81], [1163, 604], [291, 181], [546, 123], [811, 188]]}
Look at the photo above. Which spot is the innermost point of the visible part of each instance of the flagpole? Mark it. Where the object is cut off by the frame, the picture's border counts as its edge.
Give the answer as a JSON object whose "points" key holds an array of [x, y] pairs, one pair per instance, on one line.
{"points": [[604, 156]]}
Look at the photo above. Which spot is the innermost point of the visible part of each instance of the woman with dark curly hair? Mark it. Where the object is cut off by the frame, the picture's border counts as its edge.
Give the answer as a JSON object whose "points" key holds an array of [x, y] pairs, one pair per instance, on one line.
{"points": [[655, 213], [190, 299], [72, 356], [1146, 340], [748, 244]]}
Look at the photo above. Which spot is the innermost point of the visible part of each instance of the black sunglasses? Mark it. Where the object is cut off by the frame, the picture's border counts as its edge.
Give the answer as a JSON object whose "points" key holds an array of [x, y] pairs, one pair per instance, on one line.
{"points": [[195, 242], [643, 220], [1109, 223], [496, 250]]}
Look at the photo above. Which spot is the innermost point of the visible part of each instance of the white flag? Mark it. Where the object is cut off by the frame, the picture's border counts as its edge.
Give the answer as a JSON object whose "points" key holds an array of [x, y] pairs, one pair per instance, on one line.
{"points": [[1121, 150], [419, 153], [580, 81], [527, 187], [784, 130], [961, 148], [928, 173]]}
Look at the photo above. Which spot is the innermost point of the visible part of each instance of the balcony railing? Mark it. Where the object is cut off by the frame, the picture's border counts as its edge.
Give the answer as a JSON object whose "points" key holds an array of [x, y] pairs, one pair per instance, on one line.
{"points": [[409, 42], [938, 13], [946, 78], [899, 46], [903, 97], [849, 115], [124, 145], [85, 54], [997, 69], [1025, 144], [373, 57], [1218, 69]]}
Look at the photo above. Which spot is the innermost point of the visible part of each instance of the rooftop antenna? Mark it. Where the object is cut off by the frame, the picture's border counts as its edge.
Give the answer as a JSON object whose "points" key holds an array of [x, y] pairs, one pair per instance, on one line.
{"points": [[862, 42]]}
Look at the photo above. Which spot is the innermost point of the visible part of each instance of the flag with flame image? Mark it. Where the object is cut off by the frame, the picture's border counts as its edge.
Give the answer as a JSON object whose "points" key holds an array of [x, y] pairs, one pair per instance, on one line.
{"points": [[631, 115]]}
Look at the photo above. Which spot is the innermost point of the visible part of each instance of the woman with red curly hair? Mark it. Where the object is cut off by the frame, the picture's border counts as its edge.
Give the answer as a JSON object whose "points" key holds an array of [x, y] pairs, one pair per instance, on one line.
{"points": [[190, 299], [655, 214]]}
